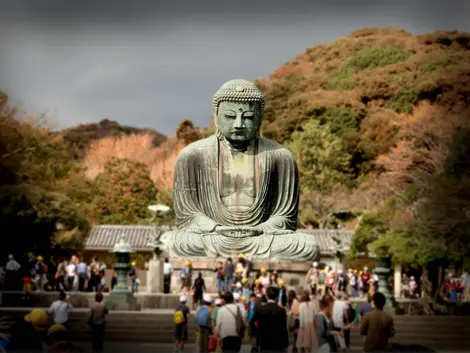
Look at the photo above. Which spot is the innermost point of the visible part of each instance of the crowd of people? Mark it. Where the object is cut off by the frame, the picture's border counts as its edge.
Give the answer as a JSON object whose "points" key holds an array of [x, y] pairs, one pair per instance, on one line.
{"points": [[309, 323], [67, 275]]}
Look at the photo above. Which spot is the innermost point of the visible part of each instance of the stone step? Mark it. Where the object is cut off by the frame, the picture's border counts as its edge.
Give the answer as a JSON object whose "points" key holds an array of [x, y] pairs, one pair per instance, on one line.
{"points": [[444, 332]]}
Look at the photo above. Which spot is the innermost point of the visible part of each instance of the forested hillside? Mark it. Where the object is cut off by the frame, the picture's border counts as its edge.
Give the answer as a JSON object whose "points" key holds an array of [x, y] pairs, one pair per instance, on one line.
{"points": [[378, 122]]}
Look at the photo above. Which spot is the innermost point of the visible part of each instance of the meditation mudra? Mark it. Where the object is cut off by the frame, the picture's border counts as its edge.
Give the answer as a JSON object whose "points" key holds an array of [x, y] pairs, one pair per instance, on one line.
{"points": [[236, 192]]}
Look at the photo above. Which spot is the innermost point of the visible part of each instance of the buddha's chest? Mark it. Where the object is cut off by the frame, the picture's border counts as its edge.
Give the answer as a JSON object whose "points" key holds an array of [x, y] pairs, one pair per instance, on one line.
{"points": [[238, 180]]}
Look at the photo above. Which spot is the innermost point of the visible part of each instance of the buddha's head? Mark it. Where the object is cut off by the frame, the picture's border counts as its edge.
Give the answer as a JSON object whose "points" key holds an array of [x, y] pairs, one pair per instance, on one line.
{"points": [[238, 111]]}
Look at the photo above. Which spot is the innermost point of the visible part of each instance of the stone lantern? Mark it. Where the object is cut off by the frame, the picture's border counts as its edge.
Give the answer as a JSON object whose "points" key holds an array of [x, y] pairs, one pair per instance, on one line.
{"points": [[121, 297]]}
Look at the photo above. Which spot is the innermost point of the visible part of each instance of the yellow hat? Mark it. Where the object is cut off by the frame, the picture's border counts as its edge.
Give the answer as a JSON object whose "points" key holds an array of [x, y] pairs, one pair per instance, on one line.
{"points": [[133, 263], [258, 281], [239, 270], [360, 272], [39, 258], [56, 328], [241, 256], [187, 263], [38, 318], [280, 283], [263, 270], [244, 280], [243, 299]]}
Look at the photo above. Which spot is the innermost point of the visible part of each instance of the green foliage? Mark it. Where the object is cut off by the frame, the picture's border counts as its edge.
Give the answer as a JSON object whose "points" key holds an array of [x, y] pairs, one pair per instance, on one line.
{"points": [[340, 120], [123, 192], [457, 162], [367, 58], [404, 100], [322, 162]]}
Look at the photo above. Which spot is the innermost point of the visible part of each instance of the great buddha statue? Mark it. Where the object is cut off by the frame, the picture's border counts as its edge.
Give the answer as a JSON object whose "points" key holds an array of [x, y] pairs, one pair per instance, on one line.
{"points": [[236, 192]]}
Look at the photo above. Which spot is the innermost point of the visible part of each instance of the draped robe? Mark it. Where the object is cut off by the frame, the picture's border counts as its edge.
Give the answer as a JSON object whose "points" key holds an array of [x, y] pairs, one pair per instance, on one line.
{"points": [[199, 207]]}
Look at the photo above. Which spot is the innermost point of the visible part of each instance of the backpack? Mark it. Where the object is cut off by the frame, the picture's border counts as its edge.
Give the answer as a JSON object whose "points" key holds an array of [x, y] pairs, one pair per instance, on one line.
{"points": [[203, 317], [178, 317], [44, 268]]}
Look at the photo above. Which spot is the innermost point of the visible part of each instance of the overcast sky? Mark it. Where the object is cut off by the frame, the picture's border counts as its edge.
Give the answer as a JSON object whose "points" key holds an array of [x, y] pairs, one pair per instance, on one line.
{"points": [[151, 65]]}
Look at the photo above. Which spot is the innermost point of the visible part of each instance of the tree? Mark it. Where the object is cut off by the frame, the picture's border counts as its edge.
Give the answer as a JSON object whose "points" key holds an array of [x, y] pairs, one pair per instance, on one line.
{"points": [[322, 162], [187, 132], [123, 192]]}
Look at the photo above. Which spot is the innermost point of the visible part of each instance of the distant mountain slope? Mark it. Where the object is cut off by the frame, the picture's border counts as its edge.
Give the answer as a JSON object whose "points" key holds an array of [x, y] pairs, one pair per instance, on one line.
{"points": [[82, 135], [347, 100]]}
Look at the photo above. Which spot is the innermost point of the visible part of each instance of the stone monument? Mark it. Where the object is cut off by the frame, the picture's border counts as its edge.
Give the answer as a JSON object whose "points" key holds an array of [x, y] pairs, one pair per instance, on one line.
{"points": [[121, 298], [236, 192]]}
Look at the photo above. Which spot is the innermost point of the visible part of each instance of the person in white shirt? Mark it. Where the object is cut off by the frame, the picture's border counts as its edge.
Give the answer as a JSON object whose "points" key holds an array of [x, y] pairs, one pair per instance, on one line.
{"points": [[167, 272], [237, 299], [60, 309], [226, 324], [71, 275]]}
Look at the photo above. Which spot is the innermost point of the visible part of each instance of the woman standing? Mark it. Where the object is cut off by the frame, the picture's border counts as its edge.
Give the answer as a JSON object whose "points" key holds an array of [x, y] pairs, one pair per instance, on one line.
{"points": [[97, 322], [306, 339], [293, 305], [325, 333]]}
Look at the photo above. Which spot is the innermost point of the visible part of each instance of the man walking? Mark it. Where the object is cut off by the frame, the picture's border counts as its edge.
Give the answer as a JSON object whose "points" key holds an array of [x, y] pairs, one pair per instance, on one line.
{"points": [[377, 326], [230, 325], [167, 272], [273, 336]]}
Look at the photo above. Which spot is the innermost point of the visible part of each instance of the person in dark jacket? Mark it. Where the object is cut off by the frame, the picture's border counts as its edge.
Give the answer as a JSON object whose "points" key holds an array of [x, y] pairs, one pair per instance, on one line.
{"points": [[272, 324], [30, 335]]}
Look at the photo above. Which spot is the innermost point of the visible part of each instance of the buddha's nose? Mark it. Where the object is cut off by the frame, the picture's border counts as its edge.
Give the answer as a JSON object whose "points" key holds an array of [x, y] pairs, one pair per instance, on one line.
{"points": [[238, 124]]}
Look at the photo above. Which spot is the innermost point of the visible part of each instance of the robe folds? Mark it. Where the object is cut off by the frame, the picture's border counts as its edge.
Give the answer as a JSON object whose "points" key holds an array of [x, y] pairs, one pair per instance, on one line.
{"points": [[199, 207]]}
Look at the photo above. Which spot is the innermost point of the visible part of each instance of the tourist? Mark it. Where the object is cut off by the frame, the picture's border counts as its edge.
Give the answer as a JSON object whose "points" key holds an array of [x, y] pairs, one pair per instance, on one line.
{"points": [[114, 279], [167, 272], [246, 292], [258, 287], [219, 276], [282, 300], [59, 340], [228, 275], [40, 273], [203, 320], [181, 315], [230, 326], [218, 304], [82, 270], [377, 326], [353, 283], [237, 289], [61, 308], [349, 321], [30, 335], [71, 270], [365, 277], [94, 282], [341, 282], [264, 278], [12, 274], [97, 322], [325, 331], [133, 277], [199, 288], [185, 274], [60, 275], [272, 324], [241, 266], [273, 280], [312, 278], [340, 307], [293, 307], [102, 276], [306, 338], [365, 308], [237, 299]]}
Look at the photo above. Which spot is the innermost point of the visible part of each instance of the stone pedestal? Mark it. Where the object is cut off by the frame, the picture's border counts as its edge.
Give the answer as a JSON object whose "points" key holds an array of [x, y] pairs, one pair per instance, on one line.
{"points": [[292, 272], [155, 276]]}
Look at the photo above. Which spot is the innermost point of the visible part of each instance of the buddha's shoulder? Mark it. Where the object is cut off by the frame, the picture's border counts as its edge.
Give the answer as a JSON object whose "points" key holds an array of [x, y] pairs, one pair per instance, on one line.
{"points": [[275, 148], [198, 147]]}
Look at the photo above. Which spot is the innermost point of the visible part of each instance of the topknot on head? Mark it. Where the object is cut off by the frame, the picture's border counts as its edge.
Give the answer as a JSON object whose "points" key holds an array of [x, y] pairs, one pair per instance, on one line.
{"points": [[238, 91]]}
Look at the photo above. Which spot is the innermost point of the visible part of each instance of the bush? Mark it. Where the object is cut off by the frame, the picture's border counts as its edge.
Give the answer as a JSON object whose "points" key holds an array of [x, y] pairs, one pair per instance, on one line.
{"points": [[404, 99]]}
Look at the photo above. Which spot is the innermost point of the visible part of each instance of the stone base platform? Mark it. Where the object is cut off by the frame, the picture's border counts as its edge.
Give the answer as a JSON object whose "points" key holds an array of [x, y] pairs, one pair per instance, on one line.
{"points": [[292, 272]]}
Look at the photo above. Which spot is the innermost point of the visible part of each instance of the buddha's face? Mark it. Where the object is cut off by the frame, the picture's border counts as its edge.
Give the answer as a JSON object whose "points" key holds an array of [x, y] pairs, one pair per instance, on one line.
{"points": [[239, 121]]}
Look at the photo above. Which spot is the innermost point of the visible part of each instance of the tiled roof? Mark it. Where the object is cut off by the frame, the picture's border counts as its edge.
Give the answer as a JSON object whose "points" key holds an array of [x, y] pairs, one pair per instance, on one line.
{"points": [[103, 237]]}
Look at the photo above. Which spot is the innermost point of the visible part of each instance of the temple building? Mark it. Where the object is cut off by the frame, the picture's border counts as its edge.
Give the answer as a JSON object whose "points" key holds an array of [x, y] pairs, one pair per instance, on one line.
{"points": [[103, 237]]}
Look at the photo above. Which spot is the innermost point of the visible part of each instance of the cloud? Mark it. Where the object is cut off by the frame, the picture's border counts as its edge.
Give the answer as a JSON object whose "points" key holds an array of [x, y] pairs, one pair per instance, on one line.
{"points": [[153, 65]]}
